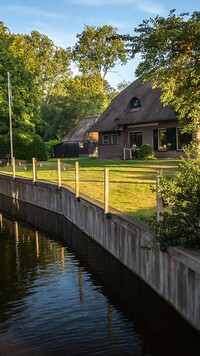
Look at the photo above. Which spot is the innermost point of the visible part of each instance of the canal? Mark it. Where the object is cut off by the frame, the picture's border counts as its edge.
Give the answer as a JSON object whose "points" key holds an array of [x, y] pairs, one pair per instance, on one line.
{"points": [[61, 294]]}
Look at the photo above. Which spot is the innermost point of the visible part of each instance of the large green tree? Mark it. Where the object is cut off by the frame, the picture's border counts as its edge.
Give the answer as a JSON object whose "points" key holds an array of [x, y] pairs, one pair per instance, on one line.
{"points": [[46, 98], [38, 71], [170, 58], [97, 51], [25, 113], [49, 63], [82, 97]]}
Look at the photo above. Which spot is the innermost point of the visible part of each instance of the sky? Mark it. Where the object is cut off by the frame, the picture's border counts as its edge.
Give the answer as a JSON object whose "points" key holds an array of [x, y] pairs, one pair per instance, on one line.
{"points": [[62, 20]]}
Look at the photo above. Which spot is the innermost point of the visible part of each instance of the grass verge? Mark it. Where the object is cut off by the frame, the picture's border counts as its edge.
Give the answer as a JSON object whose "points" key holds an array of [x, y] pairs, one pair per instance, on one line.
{"points": [[131, 181]]}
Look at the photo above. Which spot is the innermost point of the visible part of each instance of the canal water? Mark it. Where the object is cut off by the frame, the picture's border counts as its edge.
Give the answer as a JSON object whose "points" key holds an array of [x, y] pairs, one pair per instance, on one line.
{"points": [[64, 295]]}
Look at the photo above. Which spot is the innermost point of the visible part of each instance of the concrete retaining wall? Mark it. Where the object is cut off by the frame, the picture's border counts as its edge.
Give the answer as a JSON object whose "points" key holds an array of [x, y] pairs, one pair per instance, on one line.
{"points": [[173, 274]]}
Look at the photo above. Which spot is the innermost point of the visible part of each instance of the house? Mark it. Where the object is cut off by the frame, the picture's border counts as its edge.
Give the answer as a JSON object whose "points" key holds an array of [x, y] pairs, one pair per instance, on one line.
{"points": [[80, 141], [136, 116]]}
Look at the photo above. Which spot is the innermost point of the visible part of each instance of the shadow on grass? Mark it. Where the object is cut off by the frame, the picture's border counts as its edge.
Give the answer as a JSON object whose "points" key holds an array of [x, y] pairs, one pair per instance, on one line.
{"points": [[143, 213]]}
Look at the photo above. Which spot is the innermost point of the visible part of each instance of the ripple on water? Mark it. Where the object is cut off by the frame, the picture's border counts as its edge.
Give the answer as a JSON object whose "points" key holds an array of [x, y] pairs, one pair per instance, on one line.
{"points": [[58, 300]]}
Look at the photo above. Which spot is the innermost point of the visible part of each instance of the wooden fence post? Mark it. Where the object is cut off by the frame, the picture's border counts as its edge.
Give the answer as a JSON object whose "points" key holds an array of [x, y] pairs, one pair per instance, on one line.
{"points": [[34, 169], [59, 173], [106, 190], [13, 167], [159, 201], [77, 179]]}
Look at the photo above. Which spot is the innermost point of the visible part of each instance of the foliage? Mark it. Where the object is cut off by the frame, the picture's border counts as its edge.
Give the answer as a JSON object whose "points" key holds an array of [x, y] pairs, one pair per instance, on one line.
{"points": [[38, 70], [170, 52], [49, 146], [82, 98], [146, 152], [25, 113], [181, 197], [123, 85], [47, 100], [49, 63], [53, 114], [97, 51], [25, 146]]}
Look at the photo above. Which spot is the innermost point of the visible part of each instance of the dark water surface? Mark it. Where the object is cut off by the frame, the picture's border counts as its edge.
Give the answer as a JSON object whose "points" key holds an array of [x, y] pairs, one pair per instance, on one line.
{"points": [[67, 296]]}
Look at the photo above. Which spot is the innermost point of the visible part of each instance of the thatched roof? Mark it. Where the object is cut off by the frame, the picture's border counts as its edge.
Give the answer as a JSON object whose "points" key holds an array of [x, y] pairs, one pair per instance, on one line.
{"points": [[119, 113], [82, 131]]}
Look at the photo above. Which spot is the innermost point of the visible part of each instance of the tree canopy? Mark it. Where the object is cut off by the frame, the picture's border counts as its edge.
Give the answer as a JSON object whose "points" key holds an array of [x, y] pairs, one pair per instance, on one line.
{"points": [[82, 98], [97, 51], [49, 63], [47, 98], [170, 53], [25, 108]]}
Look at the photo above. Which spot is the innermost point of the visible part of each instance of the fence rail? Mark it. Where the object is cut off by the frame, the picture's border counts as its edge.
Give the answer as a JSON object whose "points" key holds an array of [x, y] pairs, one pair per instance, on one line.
{"points": [[128, 190]]}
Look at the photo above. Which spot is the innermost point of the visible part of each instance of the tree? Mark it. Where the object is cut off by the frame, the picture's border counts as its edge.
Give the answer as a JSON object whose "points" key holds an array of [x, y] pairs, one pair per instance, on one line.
{"points": [[170, 52], [26, 145], [97, 51], [25, 112], [49, 63], [123, 85], [81, 97], [38, 70], [181, 198], [46, 99]]}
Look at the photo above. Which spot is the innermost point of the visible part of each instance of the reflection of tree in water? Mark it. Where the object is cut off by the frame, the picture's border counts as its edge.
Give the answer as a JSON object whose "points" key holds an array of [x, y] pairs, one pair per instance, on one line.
{"points": [[23, 254], [127, 298]]}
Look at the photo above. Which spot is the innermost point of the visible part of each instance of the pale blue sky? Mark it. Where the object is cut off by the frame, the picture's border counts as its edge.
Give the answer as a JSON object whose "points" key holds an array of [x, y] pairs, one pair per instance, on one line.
{"points": [[62, 20]]}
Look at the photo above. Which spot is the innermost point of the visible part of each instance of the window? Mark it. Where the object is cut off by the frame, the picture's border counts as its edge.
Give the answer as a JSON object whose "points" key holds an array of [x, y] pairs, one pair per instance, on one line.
{"points": [[162, 140], [80, 144], [105, 139], [135, 139], [114, 139], [134, 104], [109, 139], [183, 139], [171, 138]]}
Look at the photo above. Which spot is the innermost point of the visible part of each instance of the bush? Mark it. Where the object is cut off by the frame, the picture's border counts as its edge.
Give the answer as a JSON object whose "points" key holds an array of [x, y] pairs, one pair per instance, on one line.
{"points": [[146, 152], [181, 198], [49, 146], [25, 146]]}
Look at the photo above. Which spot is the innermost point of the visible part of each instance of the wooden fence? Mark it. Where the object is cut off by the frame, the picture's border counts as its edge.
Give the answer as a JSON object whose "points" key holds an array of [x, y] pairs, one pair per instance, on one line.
{"points": [[106, 183]]}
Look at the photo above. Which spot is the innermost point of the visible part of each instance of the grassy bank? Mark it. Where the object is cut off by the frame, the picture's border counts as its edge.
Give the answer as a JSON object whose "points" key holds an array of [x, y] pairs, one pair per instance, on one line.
{"points": [[130, 181]]}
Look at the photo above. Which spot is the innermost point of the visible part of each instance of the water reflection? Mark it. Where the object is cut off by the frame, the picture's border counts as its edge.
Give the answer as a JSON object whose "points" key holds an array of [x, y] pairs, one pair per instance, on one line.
{"points": [[61, 294]]}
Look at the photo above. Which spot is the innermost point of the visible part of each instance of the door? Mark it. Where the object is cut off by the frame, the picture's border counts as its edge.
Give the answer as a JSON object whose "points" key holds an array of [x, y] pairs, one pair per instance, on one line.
{"points": [[135, 141]]}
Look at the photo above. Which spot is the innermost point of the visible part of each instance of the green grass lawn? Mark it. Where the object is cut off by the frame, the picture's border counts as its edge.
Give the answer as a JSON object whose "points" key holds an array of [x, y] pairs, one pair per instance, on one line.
{"points": [[130, 181]]}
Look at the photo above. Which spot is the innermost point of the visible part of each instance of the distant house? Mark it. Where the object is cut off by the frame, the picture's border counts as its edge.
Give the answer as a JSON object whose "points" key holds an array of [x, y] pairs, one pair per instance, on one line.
{"points": [[80, 141], [136, 116]]}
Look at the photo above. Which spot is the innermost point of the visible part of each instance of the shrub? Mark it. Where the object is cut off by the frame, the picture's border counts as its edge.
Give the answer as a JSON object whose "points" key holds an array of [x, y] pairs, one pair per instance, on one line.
{"points": [[49, 146], [181, 198], [25, 146], [146, 152]]}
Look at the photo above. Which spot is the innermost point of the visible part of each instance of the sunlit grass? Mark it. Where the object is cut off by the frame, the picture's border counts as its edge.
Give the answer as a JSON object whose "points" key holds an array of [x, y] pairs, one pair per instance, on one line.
{"points": [[131, 181]]}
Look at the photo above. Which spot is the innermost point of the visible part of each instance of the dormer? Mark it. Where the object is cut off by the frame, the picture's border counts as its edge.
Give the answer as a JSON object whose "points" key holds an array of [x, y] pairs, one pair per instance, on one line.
{"points": [[134, 104]]}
